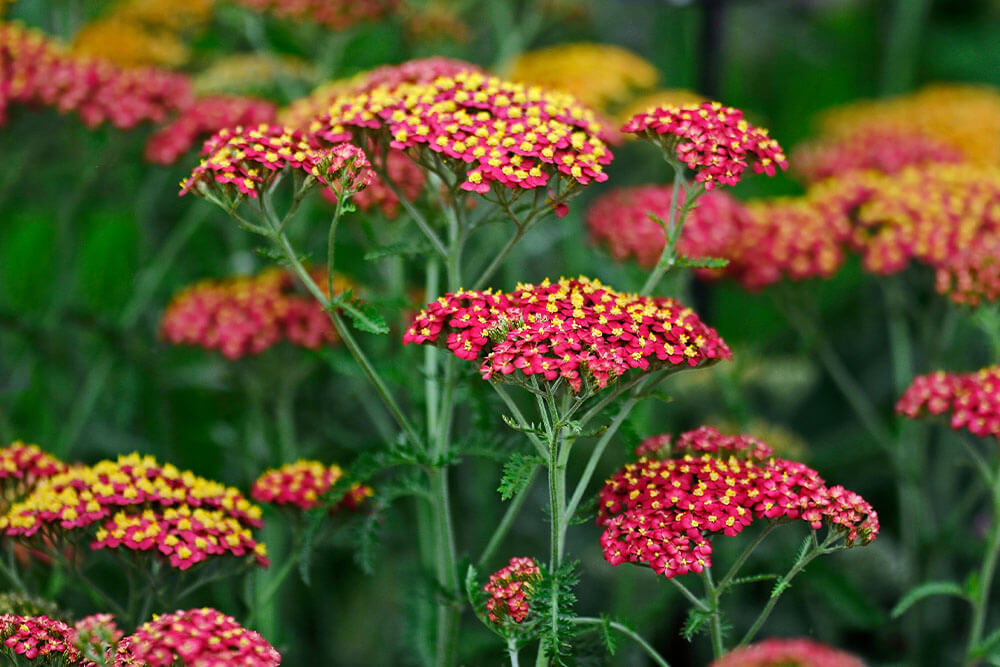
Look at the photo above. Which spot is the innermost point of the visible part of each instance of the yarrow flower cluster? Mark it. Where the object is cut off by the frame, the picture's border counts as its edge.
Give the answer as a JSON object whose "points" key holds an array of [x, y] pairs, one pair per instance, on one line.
{"points": [[662, 512], [303, 484], [713, 140], [196, 638], [36, 71], [572, 329], [666, 97], [973, 399], [510, 589], [598, 75], [249, 158], [797, 652], [40, 637], [97, 635], [22, 465], [487, 130], [335, 14], [206, 116], [139, 505], [940, 123], [247, 315]]}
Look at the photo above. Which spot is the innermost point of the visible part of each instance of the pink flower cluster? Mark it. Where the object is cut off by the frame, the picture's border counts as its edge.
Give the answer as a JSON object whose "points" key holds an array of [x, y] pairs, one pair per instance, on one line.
{"points": [[97, 634], [713, 140], [34, 70], [973, 399], [487, 130], [24, 463], [509, 589], [41, 637], [704, 440], [572, 329], [196, 638], [879, 148], [662, 512], [247, 315], [798, 652], [205, 116], [140, 505], [334, 14], [302, 484], [249, 158]]}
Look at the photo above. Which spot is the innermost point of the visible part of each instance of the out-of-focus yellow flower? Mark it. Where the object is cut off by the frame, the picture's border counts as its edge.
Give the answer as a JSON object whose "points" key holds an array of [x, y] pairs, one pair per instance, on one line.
{"points": [[966, 117], [784, 441], [143, 32], [656, 99], [600, 76], [301, 112], [434, 21], [248, 72], [129, 44]]}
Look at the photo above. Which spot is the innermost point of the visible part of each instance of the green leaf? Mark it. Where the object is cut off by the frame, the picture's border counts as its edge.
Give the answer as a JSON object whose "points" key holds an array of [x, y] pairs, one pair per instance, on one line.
{"points": [[363, 315], [924, 590], [106, 263], [517, 473], [396, 250], [695, 623], [752, 579], [609, 637], [989, 647], [27, 262], [702, 262]]}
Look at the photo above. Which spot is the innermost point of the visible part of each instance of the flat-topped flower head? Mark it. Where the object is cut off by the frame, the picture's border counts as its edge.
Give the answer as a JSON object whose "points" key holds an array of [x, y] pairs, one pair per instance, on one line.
{"points": [[248, 159], [657, 99], [972, 399], [40, 638], [38, 71], [137, 504], [620, 221], [27, 463], [204, 117], [303, 484], [599, 75], [247, 315], [196, 638], [796, 652], [510, 589], [334, 14], [574, 329], [662, 512], [490, 132], [713, 140]]}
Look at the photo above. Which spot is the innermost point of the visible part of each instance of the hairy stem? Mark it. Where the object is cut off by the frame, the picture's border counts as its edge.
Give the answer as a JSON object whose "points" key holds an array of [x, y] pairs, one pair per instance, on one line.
{"points": [[628, 632]]}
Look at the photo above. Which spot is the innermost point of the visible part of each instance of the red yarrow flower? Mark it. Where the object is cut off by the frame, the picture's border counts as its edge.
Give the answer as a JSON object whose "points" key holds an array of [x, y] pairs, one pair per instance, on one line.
{"points": [[247, 315], [26, 463], [663, 512], [973, 399], [303, 483], [196, 638], [798, 652], [510, 590], [713, 140], [42, 638], [573, 330]]}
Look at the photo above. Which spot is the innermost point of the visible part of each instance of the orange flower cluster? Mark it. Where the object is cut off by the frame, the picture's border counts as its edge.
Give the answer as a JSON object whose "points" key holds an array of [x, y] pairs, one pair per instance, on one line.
{"points": [[35, 70], [303, 483], [247, 315], [946, 123], [139, 505], [973, 399]]}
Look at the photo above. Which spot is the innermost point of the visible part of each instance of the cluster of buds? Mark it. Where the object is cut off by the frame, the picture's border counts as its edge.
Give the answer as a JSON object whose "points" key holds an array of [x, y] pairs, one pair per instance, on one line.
{"points": [[486, 130], [973, 399], [334, 14], [509, 590], [662, 512], [245, 161], [941, 123], [713, 140], [776, 652], [136, 504], [37, 71], [195, 637], [570, 330], [247, 315], [206, 116], [600, 76], [303, 484]]}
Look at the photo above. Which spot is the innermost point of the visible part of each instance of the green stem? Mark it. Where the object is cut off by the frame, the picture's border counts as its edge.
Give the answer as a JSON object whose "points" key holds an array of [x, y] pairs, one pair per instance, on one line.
{"points": [[986, 572], [903, 45], [628, 632], [417, 216], [513, 509], [512, 652], [735, 569], [521, 229], [715, 627], [686, 592]]}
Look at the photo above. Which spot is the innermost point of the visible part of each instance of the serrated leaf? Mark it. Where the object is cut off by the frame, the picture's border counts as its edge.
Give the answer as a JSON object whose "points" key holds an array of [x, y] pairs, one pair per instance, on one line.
{"points": [[752, 579], [517, 472], [925, 590], [610, 640], [396, 250], [702, 262], [363, 315], [695, 623]]}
